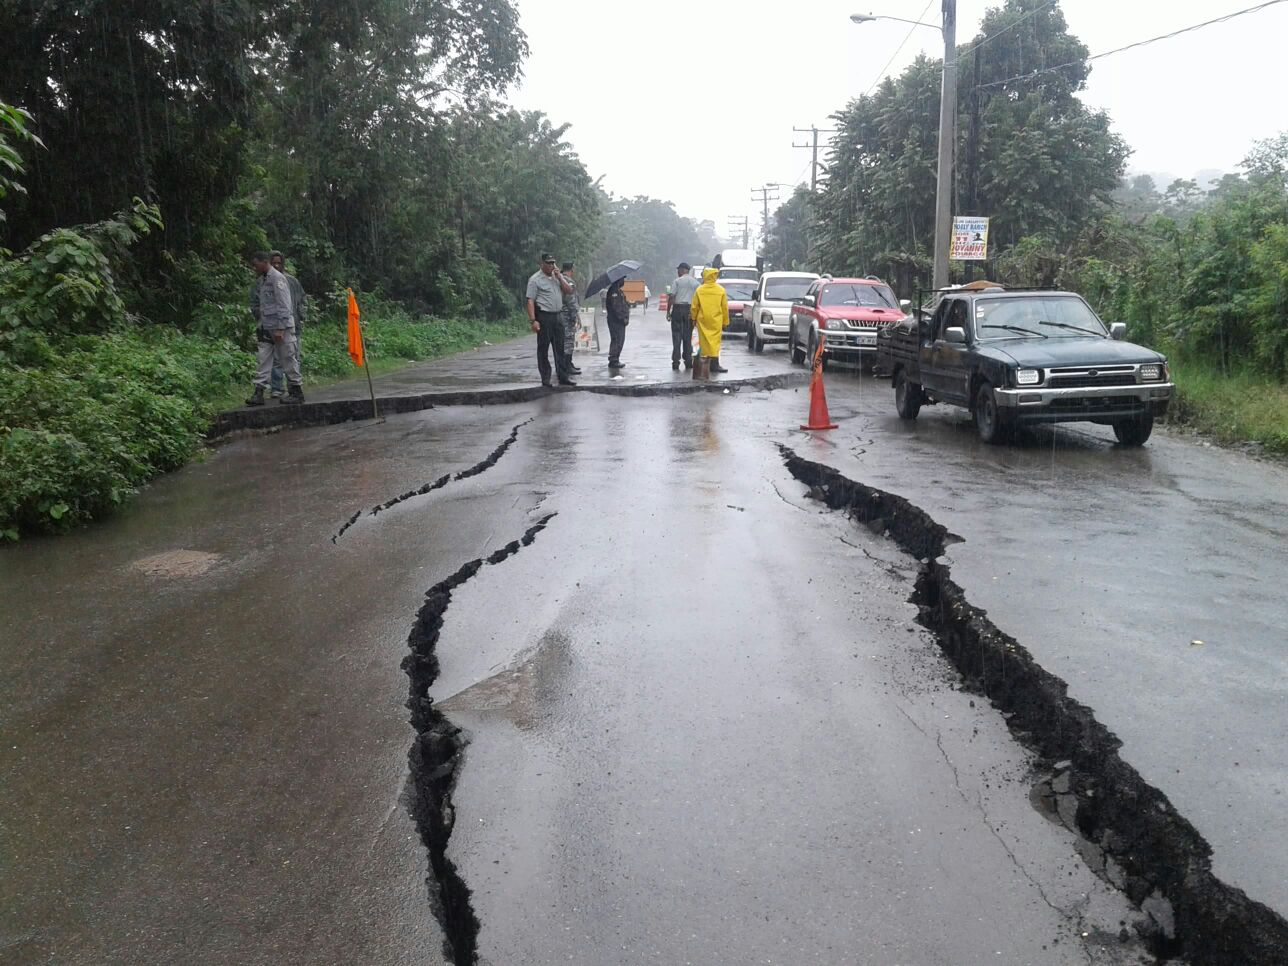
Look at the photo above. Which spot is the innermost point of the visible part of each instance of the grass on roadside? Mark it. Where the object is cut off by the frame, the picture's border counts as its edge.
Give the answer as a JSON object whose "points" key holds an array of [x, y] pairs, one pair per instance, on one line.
{"points": [[1232, 407], [89, 419]]}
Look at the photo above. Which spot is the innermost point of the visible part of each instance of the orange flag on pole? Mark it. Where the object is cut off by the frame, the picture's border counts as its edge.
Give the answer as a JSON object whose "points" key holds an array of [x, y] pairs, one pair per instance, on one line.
{"points": [[355, 331]]}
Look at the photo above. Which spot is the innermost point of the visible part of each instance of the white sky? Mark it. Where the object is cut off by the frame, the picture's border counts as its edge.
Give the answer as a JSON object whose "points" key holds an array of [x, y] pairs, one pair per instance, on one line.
{"points": [[634, 79]]}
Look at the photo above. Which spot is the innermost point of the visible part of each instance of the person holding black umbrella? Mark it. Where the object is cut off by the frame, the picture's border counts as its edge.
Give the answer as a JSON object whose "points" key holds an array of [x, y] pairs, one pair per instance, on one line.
{"points": [[545, 302], [619, 316]]}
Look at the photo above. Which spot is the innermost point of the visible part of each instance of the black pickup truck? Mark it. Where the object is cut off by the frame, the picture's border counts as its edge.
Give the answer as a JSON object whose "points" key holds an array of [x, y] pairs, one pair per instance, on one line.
{"points": [[1018, 356]]}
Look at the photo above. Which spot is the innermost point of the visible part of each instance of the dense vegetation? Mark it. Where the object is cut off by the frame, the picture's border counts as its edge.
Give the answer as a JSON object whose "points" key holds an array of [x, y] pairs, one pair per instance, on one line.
{"points": [[1200, 273], [363, 139]]}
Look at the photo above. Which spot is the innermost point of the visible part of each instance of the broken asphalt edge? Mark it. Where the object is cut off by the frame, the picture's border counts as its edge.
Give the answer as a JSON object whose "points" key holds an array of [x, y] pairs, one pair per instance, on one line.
{"points": [[349, 410], [1162, 856], [436, 753]]}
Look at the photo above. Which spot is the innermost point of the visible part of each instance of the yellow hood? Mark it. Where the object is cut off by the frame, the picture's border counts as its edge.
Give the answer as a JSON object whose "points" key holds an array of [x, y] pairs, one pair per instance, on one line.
{"points": [[709, 276]]}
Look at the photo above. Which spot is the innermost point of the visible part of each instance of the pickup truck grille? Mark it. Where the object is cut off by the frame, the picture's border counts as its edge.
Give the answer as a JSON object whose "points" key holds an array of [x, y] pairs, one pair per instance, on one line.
{"points": [[1087, 380]]}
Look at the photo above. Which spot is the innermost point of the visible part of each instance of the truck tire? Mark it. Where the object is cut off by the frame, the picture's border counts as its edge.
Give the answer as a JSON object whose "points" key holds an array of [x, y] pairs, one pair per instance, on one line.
{"points": [[798, 354], [990, 424], [907, 396], [1134, 432], [813, 350]]}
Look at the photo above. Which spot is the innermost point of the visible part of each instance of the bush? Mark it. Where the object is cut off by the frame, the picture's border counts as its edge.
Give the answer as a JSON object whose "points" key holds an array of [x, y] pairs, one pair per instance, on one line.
{"points": [[108, 413]]}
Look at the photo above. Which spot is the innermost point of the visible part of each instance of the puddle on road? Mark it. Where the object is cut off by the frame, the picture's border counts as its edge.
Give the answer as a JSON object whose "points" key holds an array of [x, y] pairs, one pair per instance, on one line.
{"points": [[519, 690]]}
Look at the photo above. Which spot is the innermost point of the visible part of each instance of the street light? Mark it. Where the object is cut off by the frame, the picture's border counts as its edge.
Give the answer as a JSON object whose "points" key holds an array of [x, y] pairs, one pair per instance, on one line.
{"points": [[947, 133]]}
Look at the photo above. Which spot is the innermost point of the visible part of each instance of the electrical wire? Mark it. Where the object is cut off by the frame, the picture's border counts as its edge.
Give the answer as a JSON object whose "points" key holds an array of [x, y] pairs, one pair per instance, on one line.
{"points": [[1012, 26], [1132, 46], [897, 51]]}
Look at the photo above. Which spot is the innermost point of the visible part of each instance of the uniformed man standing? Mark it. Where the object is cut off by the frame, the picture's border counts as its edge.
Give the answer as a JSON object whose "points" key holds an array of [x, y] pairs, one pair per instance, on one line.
{"points": [[571, 313], [678, 311], [545, 302], [276, 333], [278, 261]]}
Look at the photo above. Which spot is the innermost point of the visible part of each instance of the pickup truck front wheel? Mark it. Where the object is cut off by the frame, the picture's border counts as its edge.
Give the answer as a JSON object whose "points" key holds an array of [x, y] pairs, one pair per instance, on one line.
{"points": [[813, 353], [991, 425], [907, 396], [1134, 432], [798, 354]]}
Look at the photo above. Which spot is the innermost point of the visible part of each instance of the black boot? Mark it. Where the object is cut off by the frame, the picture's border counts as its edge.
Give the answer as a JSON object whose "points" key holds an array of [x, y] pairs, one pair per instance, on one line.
{"points": [[257, 397], [715, 365], [294, 397]]}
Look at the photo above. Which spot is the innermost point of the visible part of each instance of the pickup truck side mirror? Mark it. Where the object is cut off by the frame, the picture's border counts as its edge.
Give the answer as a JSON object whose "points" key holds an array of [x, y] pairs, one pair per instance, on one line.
{"points": [[1118, 331], [955, 335], [804, 300], [905, 304]]}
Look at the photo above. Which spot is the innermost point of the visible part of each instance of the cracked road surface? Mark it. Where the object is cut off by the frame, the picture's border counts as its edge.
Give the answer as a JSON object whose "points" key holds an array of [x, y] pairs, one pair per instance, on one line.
{"points": [[702, 722]]}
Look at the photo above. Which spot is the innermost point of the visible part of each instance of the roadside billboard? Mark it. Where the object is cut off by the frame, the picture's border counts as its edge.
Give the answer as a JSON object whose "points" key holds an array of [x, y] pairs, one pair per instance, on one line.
{"points": [[970, 239]]}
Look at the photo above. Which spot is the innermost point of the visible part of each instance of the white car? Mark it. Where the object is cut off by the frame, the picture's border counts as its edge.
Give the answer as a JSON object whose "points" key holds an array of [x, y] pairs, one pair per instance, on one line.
{"points": [[770, 313]]}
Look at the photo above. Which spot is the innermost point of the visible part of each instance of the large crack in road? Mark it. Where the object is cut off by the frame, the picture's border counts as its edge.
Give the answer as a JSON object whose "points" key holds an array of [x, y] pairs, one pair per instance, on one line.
{"points": [[435, 754], [1142, 844], [480, 467]]}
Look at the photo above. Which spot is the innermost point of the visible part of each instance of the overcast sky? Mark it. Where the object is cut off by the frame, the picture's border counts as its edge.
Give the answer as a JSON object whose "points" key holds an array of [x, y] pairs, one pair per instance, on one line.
{"points": [[694, 100]]}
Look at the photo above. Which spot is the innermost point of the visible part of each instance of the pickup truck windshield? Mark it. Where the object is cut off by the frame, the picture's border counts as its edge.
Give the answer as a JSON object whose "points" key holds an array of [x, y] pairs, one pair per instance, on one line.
{"points": [[859, 296], [739, 291], [786, 289], [1056, 317]]}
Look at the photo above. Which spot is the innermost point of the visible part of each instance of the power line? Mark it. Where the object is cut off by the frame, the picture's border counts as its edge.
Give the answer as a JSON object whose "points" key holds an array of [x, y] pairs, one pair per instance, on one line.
{"points": [[897, 51], [1132, 46], [1012, 26]]}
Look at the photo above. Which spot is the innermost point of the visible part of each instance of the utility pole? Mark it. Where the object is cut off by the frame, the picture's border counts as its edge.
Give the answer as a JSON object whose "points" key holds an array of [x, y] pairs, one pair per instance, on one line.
{"points": [[814, 166], [947, 142], [972, 162], [739, 223], [764, 191]]}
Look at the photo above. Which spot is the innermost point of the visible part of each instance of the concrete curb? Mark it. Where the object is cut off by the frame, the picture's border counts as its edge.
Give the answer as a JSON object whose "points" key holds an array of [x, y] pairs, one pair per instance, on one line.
{"points": [[347, 410]]}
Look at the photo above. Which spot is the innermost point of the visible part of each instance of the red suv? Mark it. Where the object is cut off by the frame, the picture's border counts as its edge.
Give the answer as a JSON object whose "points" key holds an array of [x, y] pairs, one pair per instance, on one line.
{"points": [[846, 313]]}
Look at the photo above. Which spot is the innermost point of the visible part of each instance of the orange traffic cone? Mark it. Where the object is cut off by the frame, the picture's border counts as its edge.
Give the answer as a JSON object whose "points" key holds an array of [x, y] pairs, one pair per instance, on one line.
{"points": [[818, 415]]}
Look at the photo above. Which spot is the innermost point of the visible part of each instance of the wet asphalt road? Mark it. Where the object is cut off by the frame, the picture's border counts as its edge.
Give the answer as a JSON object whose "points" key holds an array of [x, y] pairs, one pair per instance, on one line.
{"points": [[702, 727]]}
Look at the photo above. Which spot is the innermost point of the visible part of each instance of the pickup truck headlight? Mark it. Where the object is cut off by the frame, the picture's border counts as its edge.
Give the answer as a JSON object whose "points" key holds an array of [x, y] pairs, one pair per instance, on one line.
{"points": [[835, 324], [1028, 377], [1151, 373]]}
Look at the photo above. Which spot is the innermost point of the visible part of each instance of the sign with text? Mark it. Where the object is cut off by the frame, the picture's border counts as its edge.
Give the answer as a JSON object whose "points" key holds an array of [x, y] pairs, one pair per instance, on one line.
{"points": [[970, 239]]}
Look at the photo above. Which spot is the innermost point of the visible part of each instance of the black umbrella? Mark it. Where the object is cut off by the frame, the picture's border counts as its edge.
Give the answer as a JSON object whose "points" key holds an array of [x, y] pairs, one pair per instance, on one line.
{"points": [[614, 274]]}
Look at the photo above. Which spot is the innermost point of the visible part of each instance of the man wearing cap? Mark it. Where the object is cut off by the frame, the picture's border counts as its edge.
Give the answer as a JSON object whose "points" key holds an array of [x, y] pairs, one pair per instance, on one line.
{"points": [[678, 312], [545, 301]]}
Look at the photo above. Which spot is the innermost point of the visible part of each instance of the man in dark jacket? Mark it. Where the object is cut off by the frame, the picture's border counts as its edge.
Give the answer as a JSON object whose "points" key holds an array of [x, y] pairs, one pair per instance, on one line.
{"points": [[619, 316]]}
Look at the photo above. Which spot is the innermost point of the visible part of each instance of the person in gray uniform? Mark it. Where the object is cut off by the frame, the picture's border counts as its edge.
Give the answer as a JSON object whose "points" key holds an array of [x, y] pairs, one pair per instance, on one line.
{"points": [[545, 302], [276, 334], [678, 311], [298, 308], [571, 314]]}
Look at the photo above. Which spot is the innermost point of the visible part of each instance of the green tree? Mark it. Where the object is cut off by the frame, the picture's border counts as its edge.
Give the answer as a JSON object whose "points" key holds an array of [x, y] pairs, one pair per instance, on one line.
{"points": [[1046, 164]]}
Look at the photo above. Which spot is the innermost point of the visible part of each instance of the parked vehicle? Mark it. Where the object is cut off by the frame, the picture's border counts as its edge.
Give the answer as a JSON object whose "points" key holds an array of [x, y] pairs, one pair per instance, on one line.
{"points": [[738, 258], [846, 313], [745, 274], [1024, 357], [741, 292], [769, 314]]}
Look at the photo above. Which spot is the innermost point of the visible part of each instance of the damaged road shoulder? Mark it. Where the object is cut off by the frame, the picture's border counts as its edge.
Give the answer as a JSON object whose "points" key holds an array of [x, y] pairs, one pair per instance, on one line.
{"points": [[436, 751], [1159, 859]]}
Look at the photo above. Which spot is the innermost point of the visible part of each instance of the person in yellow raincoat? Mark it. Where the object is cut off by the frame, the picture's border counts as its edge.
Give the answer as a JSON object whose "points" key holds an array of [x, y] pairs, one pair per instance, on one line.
{"points": [[711, 314]]}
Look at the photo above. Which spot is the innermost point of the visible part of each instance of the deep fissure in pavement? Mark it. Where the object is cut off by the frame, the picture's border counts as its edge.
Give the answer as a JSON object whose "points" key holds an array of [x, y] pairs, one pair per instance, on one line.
{"points": [[435, 754], [1159, 859], [481, 466]]}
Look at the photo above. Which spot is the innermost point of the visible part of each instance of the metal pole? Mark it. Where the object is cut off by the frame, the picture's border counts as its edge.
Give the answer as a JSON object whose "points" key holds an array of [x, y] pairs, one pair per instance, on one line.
{"points": [[366, 364], [947, 142], [813, 171]]}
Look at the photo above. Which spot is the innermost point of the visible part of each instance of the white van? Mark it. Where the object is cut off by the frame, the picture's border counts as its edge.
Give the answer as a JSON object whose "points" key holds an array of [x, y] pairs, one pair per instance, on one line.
{"points": [[740, 263], [770, 314]]}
